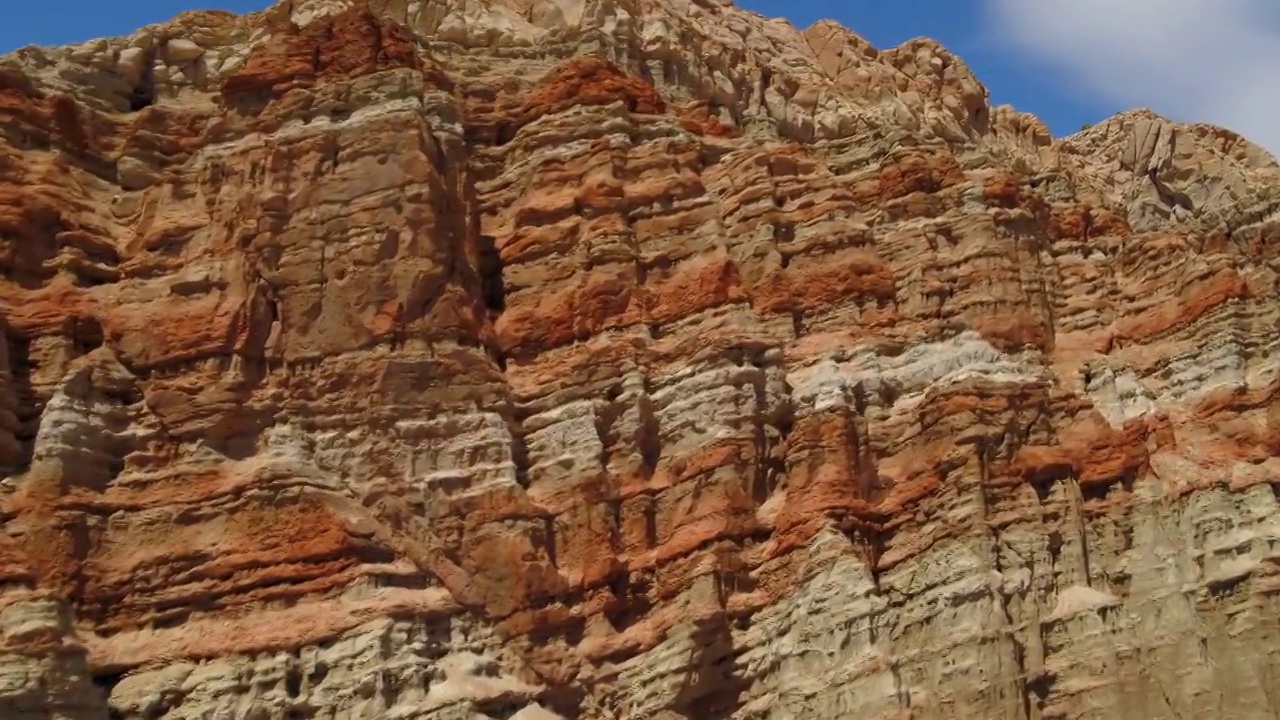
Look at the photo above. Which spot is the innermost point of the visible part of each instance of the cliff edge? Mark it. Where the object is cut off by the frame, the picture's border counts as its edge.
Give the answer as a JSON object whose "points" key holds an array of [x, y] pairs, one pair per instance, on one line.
{"points": [[620, 359]]}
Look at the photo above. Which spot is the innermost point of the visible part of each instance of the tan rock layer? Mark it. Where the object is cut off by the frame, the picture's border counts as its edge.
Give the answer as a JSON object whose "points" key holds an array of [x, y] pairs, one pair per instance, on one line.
{"points": [[650, 358]]}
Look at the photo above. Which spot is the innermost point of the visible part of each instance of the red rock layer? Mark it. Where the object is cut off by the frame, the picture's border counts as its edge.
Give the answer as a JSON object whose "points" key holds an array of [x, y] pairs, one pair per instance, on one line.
{"points": [[452, 360]]}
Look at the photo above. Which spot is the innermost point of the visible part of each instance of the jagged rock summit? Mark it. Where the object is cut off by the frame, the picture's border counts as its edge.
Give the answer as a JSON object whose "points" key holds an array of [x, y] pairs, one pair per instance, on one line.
{"points": [[611, 360]]}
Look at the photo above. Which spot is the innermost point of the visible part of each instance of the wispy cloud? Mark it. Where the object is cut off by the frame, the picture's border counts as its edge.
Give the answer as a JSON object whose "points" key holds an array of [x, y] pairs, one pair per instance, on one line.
{"points": [[1214, 61]]}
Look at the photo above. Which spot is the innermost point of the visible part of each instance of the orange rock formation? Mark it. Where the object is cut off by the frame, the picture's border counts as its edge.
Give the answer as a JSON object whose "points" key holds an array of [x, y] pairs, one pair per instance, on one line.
{"points": [[644, 359]]}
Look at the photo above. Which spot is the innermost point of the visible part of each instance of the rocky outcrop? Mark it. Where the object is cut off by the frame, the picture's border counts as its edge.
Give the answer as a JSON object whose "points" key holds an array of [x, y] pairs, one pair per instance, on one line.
{"points": [[385, 359]]}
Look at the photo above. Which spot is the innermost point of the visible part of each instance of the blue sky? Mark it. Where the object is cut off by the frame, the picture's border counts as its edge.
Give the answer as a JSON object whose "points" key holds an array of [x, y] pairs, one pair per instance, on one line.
{"points": [[1070, 62]]}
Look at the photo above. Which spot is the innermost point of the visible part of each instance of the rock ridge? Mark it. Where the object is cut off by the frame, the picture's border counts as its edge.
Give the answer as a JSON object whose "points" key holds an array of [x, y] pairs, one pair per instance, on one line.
{"points": [[577, 359]]}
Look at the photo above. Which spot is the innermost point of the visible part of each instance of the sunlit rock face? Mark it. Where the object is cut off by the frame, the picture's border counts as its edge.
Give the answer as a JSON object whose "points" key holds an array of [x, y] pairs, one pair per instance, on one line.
{"points": [[645, 359]]}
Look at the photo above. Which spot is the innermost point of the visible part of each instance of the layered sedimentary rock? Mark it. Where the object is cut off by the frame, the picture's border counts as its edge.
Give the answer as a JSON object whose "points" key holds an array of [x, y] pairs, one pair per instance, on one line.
{"points": [[628, 359]]}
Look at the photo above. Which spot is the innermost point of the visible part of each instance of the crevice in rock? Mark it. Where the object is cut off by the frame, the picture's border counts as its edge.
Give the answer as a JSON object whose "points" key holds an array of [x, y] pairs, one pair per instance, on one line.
{"points": [[1119, 583], [293, 682], [869, 540], [712, 689], [1172, 198], [88, 278], [649, 440], [737, 115], [986, 448], [784, 232], [1043, 487], [615, 524], [1054, 545], [1040, 685], [159, 711], [772, 436], [875, 540], [737, 579], [520, 455], [106, 682], [388, 689], [255, 365], [26, 407], [563, 700], [318, 673], [1220, 589], [980, 118], [492, 288], [86, 335], [641, 270], [768, 470], [889, 392], [1094, 492], [504, 133], [501, 708], [549, 539], [650, 522], [670, 73], [606, 416], [631, 600], [143, 95]]}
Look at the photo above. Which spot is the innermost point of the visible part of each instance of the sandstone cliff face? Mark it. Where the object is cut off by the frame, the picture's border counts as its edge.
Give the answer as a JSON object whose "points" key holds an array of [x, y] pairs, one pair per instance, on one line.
{"points": [[630, 359]]}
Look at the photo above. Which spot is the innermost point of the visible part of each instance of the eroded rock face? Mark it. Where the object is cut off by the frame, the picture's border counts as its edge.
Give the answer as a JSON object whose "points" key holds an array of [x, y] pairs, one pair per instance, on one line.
{"points": [[645, 359]]}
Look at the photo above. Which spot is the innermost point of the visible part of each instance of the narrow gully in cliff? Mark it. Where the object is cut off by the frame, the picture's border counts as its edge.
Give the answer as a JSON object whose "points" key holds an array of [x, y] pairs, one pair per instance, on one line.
{"points": [[660, 208]]}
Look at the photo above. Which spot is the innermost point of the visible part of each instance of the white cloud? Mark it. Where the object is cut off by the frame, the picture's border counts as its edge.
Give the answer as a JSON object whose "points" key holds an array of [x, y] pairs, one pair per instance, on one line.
{"points": [[1214, 61]]}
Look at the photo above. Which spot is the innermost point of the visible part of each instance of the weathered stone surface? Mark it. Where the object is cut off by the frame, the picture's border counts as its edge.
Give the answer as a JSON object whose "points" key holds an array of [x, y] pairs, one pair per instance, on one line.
{"points": [[440, 359]]}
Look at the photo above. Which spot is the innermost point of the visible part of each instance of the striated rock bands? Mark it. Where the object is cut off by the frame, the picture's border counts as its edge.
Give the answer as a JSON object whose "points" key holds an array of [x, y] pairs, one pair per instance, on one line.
{"points": [[633, 359]]}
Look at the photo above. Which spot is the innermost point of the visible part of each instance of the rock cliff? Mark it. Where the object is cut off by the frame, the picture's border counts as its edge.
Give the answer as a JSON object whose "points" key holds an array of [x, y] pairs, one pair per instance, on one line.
{"points": [[605, 359]]}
